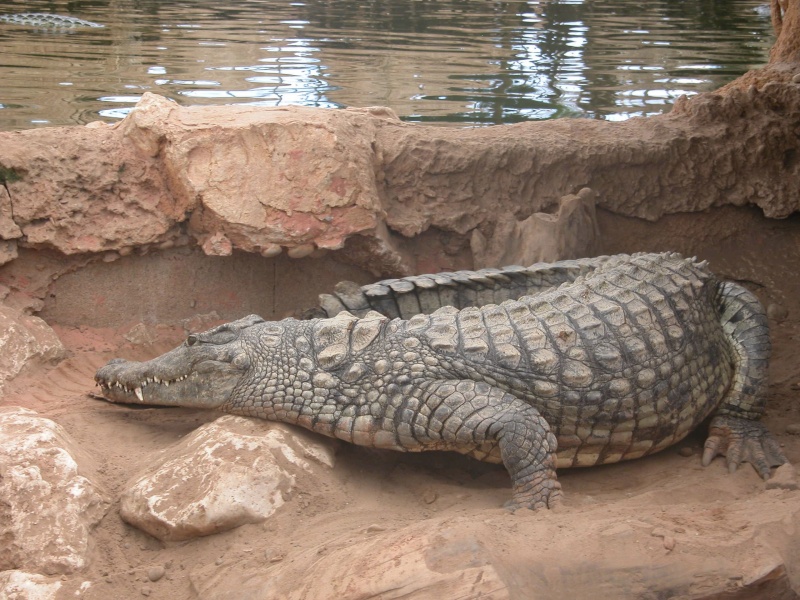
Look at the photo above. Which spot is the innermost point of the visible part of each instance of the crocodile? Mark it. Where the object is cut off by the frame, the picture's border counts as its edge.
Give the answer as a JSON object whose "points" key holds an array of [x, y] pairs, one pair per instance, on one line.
{"points": [[46, 20], [617, 364]]}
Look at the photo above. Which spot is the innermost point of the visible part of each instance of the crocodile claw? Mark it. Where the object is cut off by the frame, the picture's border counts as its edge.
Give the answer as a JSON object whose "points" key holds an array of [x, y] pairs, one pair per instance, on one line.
{"points": [[742, 440], [542, 492]]}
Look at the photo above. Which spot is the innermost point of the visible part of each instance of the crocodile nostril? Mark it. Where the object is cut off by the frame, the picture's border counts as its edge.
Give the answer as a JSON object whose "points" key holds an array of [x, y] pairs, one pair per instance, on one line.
{"points": [[191, 340]]}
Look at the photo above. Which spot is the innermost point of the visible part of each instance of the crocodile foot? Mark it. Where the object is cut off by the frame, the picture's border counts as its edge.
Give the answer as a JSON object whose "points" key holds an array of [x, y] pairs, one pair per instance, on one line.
{"points": [[742, 440], [541, 491]]}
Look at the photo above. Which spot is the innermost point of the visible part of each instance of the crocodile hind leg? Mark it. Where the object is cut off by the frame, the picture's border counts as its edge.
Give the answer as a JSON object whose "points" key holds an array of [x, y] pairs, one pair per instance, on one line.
{"points": [[735, 431], [475, 418]]}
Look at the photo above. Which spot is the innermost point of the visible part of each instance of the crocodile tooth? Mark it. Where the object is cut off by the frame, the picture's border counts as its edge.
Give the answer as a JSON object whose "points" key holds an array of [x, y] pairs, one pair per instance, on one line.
{"points": [[166, 384], [156, 379], [138, 391]]}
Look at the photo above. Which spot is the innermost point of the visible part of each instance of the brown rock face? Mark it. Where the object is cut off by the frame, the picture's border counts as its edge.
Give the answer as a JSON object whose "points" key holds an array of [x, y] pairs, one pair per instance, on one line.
{"points": [[301, 180], [85, 192], [263, 177]]}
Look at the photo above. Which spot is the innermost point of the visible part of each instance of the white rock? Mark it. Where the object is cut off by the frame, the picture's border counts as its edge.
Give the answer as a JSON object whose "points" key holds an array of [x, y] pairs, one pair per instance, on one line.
{"points": [[19, 585], [225, 474], [48, 509]]}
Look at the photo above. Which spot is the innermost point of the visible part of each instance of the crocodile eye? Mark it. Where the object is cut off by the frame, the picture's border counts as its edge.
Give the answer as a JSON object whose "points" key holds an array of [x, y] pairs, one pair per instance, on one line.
{"points": [[191, 340]]}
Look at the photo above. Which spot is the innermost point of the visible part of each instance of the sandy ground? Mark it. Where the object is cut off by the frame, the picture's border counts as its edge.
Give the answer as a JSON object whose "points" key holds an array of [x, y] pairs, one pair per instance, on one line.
{"points": [[372, 492], [388, 525]]}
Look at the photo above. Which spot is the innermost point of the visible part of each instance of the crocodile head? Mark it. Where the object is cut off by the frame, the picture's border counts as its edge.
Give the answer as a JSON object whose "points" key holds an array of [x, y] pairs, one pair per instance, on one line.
{"points": [[202, 372]]}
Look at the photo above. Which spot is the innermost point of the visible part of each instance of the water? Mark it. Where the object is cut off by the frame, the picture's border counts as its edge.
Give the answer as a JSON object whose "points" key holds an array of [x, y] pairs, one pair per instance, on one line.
{"points": [[464, 62]]}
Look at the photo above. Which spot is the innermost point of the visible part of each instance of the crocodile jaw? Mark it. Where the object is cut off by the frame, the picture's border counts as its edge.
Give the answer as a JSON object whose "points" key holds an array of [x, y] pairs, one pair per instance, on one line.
{"points": [[181, 377]]}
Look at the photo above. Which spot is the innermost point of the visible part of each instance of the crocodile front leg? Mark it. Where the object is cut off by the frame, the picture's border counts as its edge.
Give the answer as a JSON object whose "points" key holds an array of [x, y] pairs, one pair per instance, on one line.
{"points": [[473, 417]]}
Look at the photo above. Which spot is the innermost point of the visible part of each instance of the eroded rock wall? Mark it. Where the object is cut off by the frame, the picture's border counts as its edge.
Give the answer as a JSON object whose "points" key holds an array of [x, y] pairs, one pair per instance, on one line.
{"points": [[303, 180], [360, 182]]}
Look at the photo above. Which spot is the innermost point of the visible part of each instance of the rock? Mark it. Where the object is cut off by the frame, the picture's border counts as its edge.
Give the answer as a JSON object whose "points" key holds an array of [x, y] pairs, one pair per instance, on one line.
{"points": [[784, 478], [265, 177], [19, 585], [777, 312], [217, 245], [293, 177], [225, 474], [165, 165], [25, 341], [301, 251], [100, 192], [8, 228], [8, 251], [569, 233], [793, 429], [429, 496], [156, 573], [48, 509], [271, 250]]}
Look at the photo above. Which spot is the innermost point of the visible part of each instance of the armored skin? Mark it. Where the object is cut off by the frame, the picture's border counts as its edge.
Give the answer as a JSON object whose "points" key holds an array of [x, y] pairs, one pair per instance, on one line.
{"points": [[618, 363], [423, 294]]}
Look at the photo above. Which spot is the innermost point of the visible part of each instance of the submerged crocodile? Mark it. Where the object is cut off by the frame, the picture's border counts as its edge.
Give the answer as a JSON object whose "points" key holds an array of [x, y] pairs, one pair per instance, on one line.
{"points": [[619, 363], [46, 20]]}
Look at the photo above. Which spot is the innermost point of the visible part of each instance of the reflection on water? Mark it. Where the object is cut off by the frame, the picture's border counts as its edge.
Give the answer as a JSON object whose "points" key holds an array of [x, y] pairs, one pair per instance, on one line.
{"points": [[438, 61]]}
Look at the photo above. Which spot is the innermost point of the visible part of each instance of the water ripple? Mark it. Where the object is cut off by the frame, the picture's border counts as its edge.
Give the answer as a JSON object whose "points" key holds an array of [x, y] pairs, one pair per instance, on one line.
{"points": [[442, 62]]}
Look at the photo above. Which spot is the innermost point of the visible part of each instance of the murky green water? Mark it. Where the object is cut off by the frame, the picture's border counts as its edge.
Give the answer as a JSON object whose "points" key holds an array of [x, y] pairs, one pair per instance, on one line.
{"points": [[448, 62]]}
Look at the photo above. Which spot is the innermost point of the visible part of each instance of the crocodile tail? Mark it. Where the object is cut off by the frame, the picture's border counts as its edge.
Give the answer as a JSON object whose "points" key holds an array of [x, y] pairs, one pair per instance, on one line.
{"points": [[425, 294], [744, 320]]}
